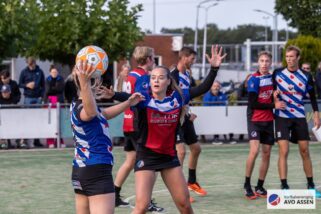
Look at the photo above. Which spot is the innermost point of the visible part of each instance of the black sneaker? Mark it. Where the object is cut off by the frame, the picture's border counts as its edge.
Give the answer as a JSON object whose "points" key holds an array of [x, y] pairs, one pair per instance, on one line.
{"points": [[285, 187], [37, 143], [120, 203], [260, 192], [153, 208], [248, 192]]}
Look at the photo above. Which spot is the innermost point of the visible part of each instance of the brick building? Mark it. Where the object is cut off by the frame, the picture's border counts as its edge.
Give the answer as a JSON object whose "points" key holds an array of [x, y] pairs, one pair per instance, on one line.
{"points": [[166, 47]]}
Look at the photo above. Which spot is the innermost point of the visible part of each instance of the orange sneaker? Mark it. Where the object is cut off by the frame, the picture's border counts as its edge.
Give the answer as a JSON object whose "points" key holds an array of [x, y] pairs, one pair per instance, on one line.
{"points": [[197, 189], [191, 199]]}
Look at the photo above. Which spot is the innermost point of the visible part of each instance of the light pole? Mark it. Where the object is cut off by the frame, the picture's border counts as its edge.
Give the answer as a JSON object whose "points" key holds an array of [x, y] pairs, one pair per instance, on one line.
{"points": [[266, 23], [205, 38], [196, 27], [275, 35], [266, 31], [154, 17]]}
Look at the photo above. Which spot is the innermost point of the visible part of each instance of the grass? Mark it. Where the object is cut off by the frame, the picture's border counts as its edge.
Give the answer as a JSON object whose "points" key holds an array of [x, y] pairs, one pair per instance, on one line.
{"points": [[38, 181]]}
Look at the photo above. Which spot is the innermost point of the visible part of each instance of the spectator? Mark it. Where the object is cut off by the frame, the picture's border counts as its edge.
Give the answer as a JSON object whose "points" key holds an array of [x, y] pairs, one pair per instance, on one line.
{"points": [[70, 89], [14, 95], [306, 66], [5, 79], [54, 86], [6, 98], [54, 93], [214, 97], [120, 83], [318, 80], [32, 80]]}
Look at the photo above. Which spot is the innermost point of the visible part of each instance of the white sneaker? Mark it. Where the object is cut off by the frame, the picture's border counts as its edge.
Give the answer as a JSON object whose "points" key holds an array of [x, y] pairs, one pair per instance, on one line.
{"points": [[62, 145], [233, 142], [51, 146], [217, 143]]}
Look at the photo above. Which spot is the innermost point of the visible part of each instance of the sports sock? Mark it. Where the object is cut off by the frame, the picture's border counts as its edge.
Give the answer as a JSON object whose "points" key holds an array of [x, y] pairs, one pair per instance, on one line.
{"points": [[247, 182], [191, 176], [117, 190], [260, 183], [310, 182]]}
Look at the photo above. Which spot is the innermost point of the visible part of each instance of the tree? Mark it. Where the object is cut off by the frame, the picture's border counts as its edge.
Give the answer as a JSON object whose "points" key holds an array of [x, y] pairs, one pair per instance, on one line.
{"points": [[302, 14], [56, 30], [310, 47], [16, 25]]}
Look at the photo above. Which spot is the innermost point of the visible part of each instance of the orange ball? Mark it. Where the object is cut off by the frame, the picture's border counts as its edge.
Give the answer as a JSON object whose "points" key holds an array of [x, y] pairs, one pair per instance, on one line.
{"points": [[96, 56]]}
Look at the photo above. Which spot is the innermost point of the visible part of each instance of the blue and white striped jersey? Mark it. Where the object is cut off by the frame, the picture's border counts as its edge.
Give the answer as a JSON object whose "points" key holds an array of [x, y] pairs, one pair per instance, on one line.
{"points": [[293, 86], [92, 141], [184, 81]]}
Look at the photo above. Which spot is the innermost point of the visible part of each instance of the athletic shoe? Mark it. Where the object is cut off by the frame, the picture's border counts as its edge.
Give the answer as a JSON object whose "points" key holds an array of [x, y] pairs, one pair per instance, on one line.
{"points": [[217, 143], [120, 203], [285, 187], [260, 192], [249, 194], [4, 146], [233, 142], [22, 144], [152, 207], [195, 187], [317, 192]]}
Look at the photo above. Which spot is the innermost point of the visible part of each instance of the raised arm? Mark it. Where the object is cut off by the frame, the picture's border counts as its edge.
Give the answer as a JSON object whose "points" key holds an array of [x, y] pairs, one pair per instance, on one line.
{"points": [[215, 60], [115, 110], [108, 93], [84, 73]]}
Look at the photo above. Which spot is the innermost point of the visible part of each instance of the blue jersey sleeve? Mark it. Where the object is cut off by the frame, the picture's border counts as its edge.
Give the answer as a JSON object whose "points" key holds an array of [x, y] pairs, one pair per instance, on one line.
{"points": [[142, 86], [253, 85]]}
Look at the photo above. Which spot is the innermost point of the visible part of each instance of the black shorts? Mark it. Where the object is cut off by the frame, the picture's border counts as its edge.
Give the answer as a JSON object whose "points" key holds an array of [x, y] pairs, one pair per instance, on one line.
{"points": [[262, 131], [149, 160], [186, 133], [130, 141], [292, 129], [93, 180]]}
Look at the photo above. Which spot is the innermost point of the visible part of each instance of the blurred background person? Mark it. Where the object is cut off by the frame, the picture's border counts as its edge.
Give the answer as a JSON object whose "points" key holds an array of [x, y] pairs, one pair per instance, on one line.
{"points": [[11, 95], [120, 82], [318, 80], [121, 85], [7, 98], [32, 80], [5, 79], [214, 97], [306, 66], [54, 93]]}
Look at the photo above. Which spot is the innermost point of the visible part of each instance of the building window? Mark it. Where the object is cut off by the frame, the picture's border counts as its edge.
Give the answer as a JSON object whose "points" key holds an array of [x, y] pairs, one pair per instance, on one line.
{"points": [[158, 60]]}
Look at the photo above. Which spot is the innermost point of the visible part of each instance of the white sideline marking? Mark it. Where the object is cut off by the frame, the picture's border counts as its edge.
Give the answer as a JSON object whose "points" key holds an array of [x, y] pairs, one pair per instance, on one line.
{"points": [[213, 186]]}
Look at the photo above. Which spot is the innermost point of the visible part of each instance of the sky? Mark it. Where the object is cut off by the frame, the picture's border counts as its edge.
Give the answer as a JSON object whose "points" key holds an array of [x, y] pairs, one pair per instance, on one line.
{"points": [[227, 14]]}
